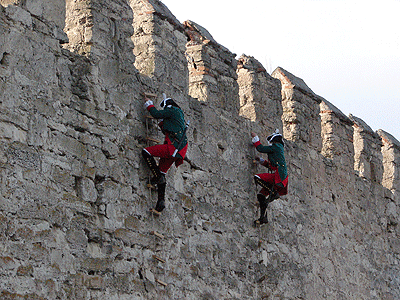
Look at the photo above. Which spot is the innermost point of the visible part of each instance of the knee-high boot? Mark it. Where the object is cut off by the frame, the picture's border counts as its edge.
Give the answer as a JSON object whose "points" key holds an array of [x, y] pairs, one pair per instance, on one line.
{"points": [[158, 177], [273, 193], [263, 209], [161, 197], [263, 184]]}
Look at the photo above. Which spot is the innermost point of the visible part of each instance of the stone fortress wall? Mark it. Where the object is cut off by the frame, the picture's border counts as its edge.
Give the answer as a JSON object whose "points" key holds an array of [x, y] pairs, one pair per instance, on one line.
{"points": [[74, 199]]}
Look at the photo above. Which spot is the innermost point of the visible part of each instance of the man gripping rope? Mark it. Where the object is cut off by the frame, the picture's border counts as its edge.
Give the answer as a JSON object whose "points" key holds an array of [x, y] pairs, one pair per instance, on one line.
{"points": [[273, 184], [174, 148]]}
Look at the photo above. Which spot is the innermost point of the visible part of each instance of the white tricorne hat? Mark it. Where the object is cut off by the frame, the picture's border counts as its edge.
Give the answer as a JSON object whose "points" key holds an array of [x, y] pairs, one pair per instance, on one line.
{"points": [[276, 137]]}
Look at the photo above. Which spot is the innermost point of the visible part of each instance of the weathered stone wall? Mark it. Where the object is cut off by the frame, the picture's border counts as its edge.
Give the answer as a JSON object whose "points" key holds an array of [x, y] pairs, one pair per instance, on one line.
{"points": [[212, 70], [74, 199], [391, 163], [343, 215], [52, 12], [260, 95]]}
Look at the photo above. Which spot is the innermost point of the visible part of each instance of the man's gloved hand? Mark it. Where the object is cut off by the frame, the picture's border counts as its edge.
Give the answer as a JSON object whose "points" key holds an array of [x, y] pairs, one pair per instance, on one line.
{"points": [[255, 139], [148, 103], [260, 160]]}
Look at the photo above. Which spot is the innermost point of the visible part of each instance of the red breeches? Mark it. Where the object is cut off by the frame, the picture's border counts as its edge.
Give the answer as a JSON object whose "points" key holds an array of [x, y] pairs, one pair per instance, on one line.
{"points": [[165, 152], [273, 180]]}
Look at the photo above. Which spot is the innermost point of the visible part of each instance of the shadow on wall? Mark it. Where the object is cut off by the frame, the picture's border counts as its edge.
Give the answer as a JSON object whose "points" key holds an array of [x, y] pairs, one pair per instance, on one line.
{"points": [[101, 30]]}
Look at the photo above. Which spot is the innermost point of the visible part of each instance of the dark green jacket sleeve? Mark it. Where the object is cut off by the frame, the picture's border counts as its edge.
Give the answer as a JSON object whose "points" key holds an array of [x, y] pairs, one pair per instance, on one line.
{"points": [[173, 124], [265, 149], [276, 157], [160, 114]]}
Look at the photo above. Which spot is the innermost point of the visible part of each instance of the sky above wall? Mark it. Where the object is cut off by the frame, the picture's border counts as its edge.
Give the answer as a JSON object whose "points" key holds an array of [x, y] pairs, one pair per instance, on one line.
{"points": [[347, 51]]}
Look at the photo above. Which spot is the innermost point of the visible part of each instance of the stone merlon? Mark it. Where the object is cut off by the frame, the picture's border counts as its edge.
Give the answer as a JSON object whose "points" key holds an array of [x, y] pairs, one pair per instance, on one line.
{"points": [[158, 8], [359, 123], [389, 139], [291, 81], [328, 107]]}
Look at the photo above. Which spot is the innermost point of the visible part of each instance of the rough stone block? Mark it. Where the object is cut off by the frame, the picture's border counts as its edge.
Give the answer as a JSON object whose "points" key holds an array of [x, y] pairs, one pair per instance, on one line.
{"points": [[12, 132], [86, 189], [110, 150], [97, 265], [126, 235], [22, 155], [65, 144], [7, 263], [76, 238], [63, 177], [94, 282], [132, 222], [18, 14], [25, 270]]}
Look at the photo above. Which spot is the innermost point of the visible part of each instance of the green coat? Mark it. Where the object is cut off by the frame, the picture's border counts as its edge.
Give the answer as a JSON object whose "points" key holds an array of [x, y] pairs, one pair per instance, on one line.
{"points": [[276, 156], [173, 124]]}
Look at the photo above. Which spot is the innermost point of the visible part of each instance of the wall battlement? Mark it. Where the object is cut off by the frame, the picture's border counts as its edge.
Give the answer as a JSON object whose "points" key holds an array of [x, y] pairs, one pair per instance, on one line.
{"points": [[74, 202]]}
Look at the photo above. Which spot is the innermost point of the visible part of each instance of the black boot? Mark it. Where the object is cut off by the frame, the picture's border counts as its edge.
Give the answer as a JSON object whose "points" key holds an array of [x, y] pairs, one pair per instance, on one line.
{"points": [[158, 177], [263, 210], [263, 184], [161, 197], [273, 196]]}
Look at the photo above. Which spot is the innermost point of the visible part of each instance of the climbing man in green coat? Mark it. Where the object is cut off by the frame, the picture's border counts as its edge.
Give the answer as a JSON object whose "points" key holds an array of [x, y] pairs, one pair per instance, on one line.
{"points": [[273, 184], [174, 148]]}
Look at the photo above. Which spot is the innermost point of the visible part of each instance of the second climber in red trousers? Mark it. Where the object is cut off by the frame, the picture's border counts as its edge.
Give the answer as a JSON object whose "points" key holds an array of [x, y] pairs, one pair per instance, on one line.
{"points": [[272, 184]]}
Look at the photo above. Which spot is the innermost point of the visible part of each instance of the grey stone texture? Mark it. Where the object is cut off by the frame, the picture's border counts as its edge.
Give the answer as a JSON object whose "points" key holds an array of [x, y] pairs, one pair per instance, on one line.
{"points": [[74, 201]]}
